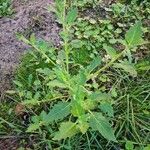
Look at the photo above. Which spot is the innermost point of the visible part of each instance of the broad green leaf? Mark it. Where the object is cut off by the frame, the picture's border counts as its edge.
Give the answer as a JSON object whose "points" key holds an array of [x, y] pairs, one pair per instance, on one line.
{"points": [[134, 35], [95, 63], [77, 109], [44, 117], [107, 108], [110, 51], [71, 16], [33, 127], [127, 67], [99, 123], [67, 129], [59, 111]]}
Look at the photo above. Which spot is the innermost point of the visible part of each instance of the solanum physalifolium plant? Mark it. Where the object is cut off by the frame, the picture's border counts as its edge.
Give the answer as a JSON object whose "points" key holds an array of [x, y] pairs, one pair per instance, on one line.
{"points": [[77, 108]]}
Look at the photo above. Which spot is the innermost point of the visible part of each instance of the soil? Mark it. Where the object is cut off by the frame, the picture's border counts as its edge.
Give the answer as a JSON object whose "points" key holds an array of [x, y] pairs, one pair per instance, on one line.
{"points": [[8, 144], [29, 17]]}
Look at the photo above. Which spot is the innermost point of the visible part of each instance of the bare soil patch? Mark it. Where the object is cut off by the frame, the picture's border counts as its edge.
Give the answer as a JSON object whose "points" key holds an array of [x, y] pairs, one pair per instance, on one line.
{"points": [[29, 17]]}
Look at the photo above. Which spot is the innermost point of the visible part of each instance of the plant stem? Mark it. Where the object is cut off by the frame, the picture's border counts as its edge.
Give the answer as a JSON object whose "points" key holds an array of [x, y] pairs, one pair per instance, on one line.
{"points": [[106, 66], [65, 39]]}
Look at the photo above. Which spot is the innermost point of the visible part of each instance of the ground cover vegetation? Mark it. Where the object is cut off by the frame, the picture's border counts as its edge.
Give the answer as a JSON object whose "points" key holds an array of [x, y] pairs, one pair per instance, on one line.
{"points": [[5, 8], [93, 91]]}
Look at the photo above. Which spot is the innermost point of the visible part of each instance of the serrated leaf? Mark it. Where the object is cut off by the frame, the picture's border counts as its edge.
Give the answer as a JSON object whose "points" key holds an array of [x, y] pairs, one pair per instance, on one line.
{"points": [[71, 16], [99, 96], [110, 51], [99, 123], [67, 129], [134, 35], [107, 108], [127, 67], [59, 111]]}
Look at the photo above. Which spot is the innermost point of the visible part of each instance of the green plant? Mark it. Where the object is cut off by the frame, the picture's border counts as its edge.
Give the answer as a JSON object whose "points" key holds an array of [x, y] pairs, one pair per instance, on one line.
{"points": [[77, 103], [5, 8]]}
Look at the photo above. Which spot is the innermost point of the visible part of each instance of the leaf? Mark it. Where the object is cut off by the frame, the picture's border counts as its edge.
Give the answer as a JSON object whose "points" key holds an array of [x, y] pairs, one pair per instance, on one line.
{"points": [[76, 43], [147, 147], [56, 83], [134, 35], [59, 111], [80, 78], [99, 96], [89, 104], [62, 75], [95, 63], [110, 51], [143, 65], [107, 108], [83, 124], [127, 67], [33, 127], [71, 16], [99, 123], [67, 129], [114, 92], [77, 110], [129, 145]]}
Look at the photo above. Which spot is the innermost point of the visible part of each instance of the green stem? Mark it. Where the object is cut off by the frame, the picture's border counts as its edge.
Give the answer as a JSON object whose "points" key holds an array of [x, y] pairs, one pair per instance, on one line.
{"points": [[65, 40], [106, 66], [43, 54]]}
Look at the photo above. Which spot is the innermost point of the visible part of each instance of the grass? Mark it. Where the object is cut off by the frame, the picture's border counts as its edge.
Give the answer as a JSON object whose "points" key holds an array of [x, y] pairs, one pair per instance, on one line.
{"points": [[49, 78]]}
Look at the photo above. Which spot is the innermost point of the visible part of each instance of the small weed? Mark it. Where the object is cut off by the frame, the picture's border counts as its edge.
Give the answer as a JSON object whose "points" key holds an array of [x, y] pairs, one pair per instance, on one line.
{"points": [[91, 92]]}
